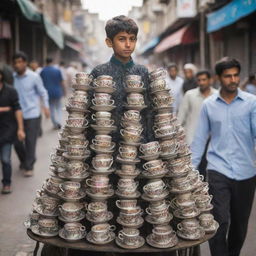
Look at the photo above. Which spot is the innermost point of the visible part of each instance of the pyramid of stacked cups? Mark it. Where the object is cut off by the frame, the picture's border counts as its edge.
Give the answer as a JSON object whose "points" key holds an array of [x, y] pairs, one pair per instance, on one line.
{"points": [[62, 195], [130, 214], [99, 189], [190, 201]]}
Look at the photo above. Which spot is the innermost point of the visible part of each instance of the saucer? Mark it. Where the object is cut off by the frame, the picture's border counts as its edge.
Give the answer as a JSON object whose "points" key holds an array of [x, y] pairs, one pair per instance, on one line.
{"points": [[103, 129], [156, 198], [179, 191], [49, 192], [194, 214], [122, 174], [103, 107], [102, 151], [213, 228], [130, 143], [62, 235], [151, 242], [141, 242], [109, 171], [163, 108], [108, 218], [35, 230], [66, 176], [159, 175], [131, 196], [91, 240], [196, 236], [74, 199], [82, 87], [135, 107], [138, 224], [127, 161], [82, 158], [138, 90], [100, 196], [207, 209], [104, 89], [38, 209], [158, 222], [168, 156], [74, 109], [166, 136], [81, 217], [74, 129], [161, 90], [150, 157]]}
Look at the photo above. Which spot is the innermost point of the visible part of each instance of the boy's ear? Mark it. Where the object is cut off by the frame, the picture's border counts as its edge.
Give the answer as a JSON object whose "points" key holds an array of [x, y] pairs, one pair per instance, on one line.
{"points": [[108, 42]]}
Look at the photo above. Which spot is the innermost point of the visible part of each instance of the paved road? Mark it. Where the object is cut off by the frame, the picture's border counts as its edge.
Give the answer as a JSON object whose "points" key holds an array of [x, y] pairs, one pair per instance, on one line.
{"points": [[15, 207]]}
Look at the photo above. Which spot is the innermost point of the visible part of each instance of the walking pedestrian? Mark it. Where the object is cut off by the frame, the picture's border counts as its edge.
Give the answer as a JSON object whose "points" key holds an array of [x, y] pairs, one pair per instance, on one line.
{"points": [[175, 83], [34, 66], [229, 116], [30, 89], [250, 85], [11, 125], [192, 102], [54, 84], [190, 80]]}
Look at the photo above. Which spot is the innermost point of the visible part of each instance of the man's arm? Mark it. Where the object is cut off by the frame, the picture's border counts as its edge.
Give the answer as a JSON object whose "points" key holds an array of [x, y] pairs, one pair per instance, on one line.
{"points": [[20, 131], [200, 138], [5, 109], [43, 94], [183, 111], [253, 120]]}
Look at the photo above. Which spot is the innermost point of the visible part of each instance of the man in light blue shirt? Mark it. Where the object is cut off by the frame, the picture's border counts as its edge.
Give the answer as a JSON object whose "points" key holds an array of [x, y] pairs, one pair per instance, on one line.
{"points": [[30, 90], [229, 118]]}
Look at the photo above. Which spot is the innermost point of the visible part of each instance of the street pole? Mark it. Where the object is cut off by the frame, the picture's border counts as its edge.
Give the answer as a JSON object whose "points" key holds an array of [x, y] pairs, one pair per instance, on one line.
{"points": [[202, 38], [17, 34]]}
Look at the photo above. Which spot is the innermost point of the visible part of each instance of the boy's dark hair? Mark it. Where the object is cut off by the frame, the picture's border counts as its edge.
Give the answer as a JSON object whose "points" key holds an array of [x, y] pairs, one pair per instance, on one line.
{"points": [[120, 24], [2, 73], [21, 55], [226, 63], [49, 60], [204, 72], [172, 65]]}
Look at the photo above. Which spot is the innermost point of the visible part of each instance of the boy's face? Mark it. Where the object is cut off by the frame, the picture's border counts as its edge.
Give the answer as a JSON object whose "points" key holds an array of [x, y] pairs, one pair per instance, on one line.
{"points": [[123, 44]]}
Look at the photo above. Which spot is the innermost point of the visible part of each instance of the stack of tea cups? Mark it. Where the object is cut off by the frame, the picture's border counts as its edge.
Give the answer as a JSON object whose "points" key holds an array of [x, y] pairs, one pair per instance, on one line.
{"points": [[127, 188], [99, 187], [63, 195], [72, 191]]}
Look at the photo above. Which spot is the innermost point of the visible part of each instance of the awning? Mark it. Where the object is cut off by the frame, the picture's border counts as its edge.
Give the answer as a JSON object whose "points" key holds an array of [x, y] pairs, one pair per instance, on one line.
{"points": [[54, 32], [186, 35], [229, 14], [75, 46], [150, 45], [29, 10]]}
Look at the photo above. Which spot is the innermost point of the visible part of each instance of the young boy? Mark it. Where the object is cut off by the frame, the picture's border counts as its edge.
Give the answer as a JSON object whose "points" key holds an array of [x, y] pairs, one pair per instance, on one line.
{"points": [[121, 34]]}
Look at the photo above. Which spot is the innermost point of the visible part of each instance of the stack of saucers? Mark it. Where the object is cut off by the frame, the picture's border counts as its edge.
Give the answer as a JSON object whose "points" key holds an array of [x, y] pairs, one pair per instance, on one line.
{"points": [[127, 188]]}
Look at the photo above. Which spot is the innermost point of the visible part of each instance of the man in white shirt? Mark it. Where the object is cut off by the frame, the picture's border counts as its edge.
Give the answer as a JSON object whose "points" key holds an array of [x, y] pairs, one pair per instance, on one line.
{"points": [[175, 83], [192, 102]]}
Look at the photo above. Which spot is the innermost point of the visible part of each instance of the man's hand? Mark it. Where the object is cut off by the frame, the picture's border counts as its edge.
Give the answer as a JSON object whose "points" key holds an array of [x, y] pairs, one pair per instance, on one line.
{"points": [[21, 134], [46, 112], [5, 109]]}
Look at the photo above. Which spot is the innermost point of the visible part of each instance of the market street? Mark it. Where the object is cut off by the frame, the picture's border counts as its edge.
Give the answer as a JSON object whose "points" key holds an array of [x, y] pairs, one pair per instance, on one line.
{"points": [[15, 207]]}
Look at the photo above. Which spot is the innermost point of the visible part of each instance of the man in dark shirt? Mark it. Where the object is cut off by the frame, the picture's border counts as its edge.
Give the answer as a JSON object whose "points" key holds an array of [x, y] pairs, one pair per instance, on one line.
{"points": [[190, 82], [11, 124]]}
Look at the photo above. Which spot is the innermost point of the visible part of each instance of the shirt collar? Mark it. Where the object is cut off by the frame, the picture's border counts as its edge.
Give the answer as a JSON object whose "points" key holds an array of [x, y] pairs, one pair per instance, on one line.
{"points": [[117, 62], [239, 95], [25, 74]]}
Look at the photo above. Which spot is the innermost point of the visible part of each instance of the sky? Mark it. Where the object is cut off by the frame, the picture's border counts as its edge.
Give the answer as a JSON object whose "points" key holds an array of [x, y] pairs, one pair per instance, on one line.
{"points": [[110, 8]]}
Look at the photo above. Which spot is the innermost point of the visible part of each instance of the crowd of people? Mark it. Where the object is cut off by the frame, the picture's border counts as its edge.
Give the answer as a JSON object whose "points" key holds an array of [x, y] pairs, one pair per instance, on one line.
{"points": [[220, 124]]}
